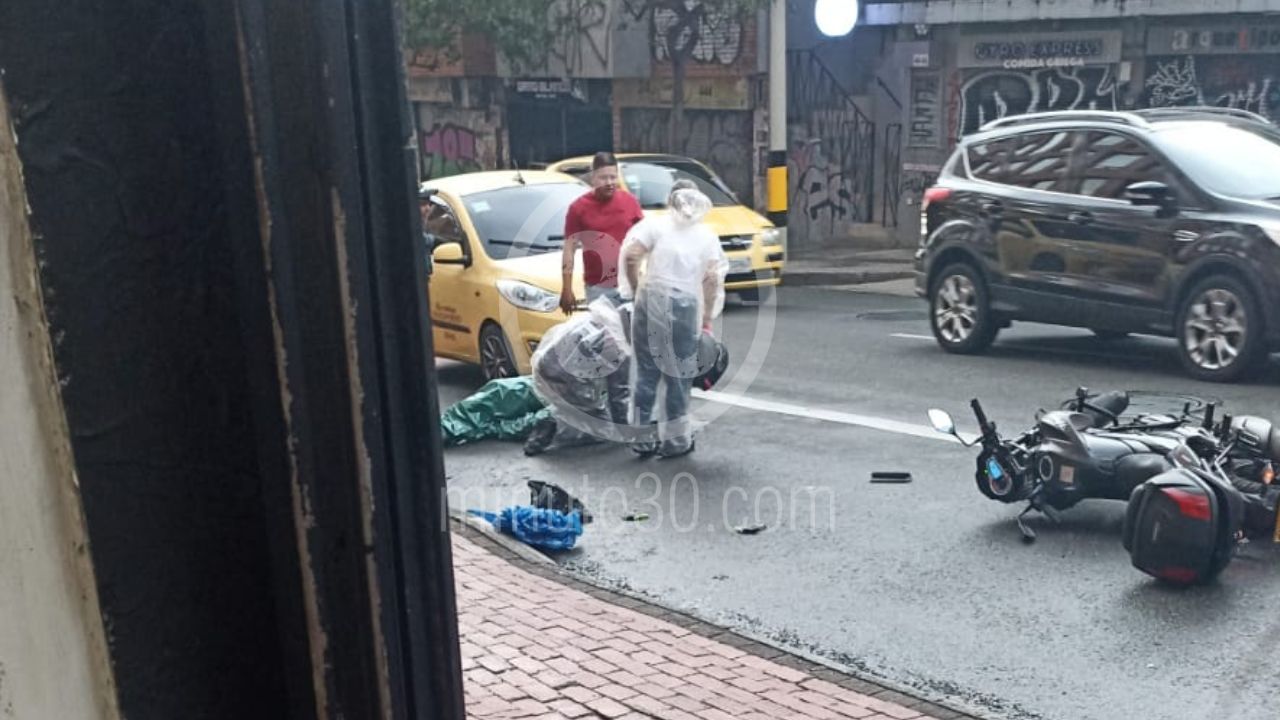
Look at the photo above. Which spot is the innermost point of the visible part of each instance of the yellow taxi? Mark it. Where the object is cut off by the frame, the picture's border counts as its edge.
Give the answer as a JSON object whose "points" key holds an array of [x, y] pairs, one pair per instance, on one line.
{"points": [[495, 240], [755, 248]]}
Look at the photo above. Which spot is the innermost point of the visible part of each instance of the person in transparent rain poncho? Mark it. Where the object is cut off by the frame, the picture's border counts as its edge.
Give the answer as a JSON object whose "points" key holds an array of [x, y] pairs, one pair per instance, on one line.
{"points": [[577, 370], [676, 296]]}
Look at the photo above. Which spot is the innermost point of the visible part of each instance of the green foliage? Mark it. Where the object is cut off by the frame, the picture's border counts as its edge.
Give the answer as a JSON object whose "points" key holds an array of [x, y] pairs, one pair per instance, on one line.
{"points": [[519, 29]]}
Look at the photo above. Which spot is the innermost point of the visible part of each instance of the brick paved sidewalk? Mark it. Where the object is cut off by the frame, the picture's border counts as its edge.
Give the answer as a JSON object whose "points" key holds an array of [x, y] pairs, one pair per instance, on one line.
{"points": [[536, 644]]}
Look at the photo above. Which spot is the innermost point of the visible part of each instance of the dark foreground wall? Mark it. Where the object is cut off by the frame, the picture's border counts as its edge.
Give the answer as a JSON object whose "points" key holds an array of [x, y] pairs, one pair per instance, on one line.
{"points": [[117, 135], [222, 206]]}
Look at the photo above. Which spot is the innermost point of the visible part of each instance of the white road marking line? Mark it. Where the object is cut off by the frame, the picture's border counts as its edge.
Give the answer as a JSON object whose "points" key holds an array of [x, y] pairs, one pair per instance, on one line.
{"points": [[835, 416], [909, 336]]}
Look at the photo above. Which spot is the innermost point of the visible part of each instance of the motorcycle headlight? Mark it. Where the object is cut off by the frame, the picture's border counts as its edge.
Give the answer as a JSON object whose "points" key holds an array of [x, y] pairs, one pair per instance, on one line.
{"points": [[771, 237], [528, 297]]}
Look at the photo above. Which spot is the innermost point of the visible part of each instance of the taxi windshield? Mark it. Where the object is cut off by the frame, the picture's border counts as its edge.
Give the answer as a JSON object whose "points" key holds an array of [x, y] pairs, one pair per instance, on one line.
{"points": [[522, 220]]}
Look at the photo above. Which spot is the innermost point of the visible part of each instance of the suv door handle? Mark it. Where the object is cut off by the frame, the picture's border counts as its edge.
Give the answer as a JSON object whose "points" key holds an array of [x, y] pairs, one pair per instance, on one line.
{"points": [[1080, 217]]}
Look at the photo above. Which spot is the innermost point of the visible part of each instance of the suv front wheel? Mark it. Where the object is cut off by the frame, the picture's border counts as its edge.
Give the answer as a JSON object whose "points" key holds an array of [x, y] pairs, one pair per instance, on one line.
{"points": [[960, 311], [1219, 327]]}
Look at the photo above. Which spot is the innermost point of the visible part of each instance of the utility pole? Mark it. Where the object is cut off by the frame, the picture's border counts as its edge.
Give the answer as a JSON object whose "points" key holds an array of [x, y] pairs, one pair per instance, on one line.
{"points": [[777, 178]]}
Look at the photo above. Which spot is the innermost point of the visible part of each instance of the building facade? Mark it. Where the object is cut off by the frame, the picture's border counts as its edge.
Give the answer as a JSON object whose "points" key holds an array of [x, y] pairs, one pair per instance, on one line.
{"points": [[605, 83], [925, 74], [871, 116]]}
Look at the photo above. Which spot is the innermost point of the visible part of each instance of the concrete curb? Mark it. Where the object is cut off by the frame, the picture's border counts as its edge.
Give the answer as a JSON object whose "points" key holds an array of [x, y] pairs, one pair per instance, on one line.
{"points": [[954, 705], [505, 541]]}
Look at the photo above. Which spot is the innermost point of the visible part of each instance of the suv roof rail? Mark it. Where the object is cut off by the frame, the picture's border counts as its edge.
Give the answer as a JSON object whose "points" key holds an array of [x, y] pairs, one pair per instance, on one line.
{"points": [[1127, 118], [1203, 110]]}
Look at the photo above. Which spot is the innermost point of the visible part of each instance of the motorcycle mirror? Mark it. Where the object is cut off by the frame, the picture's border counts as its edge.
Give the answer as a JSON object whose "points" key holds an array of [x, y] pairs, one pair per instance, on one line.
{"points": [[942, 421]]}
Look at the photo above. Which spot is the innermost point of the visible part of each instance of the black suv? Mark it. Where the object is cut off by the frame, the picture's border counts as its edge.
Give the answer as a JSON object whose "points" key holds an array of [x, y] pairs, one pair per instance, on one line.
{"points": [[1162, 222]]}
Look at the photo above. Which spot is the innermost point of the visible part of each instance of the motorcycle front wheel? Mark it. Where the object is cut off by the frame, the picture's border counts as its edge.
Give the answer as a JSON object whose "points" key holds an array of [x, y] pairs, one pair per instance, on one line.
{"points": [[996, 481]]}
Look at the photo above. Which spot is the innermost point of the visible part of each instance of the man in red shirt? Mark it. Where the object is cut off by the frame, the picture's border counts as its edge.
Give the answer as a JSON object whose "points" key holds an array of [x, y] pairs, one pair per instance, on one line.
{"points": [[598, 221]]}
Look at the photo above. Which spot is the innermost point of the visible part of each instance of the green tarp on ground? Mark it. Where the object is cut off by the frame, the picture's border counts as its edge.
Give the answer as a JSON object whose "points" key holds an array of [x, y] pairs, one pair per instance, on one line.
{"points": [[504, 409]]}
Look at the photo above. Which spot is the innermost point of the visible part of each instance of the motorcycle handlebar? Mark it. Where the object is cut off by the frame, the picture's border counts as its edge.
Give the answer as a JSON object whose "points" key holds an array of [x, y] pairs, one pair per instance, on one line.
{"points": [[983, 423]]}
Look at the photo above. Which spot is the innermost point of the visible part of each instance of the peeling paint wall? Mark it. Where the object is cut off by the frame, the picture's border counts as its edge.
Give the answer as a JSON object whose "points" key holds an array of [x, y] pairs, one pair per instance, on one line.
{"points": [[53, 655], [460, 125]]}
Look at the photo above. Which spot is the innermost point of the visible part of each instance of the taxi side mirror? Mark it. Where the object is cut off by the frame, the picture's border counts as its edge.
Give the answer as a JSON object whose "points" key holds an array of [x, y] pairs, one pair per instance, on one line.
{"points": [[450, 253]]}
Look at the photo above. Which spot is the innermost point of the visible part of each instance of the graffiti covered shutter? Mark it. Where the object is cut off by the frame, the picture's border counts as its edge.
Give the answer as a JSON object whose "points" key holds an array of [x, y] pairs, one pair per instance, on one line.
{"points": [[719, 138]]}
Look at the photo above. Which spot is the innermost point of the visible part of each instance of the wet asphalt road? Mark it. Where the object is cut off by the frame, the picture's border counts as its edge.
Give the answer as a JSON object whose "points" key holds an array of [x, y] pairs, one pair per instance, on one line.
{"points": [[926, 584]]}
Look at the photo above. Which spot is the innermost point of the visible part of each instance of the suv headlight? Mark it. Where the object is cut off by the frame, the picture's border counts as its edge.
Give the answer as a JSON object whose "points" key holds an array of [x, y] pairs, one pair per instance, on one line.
{"points": [[528, 297], [771, 237]]}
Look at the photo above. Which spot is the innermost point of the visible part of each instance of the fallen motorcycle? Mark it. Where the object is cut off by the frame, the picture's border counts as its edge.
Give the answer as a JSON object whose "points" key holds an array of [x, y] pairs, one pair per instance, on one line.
{"points": [[1093, 449]]}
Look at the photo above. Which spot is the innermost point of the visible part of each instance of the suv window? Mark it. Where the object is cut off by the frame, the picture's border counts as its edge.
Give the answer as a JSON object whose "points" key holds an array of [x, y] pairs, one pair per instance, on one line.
{"points": [[1040, 160], [1036, 161], [1212, 154], [988, 161], [1104, 163]]}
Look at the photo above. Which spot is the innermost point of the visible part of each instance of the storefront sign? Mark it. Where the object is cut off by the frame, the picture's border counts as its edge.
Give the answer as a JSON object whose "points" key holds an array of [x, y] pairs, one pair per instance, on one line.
{"points": [[1214, 39], [1041, 50], [551, 89], [699, 93]]}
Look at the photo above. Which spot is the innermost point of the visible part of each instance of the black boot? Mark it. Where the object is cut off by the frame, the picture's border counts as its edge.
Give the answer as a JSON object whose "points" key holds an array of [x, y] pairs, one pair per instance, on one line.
{"points": [[544, 432]]}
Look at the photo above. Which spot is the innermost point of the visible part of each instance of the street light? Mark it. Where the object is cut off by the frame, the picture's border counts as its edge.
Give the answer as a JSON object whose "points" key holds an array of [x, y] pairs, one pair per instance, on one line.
{"points": [[836, 18]]}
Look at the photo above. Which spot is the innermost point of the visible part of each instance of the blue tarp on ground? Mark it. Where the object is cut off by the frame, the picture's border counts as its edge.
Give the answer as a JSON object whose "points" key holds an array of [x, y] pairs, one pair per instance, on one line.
{"points": [[539, 527]]}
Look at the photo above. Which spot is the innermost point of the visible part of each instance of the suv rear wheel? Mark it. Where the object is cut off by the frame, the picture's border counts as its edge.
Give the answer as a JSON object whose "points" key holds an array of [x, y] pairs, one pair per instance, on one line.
{"points": [[1219, 328], [960, 311]]}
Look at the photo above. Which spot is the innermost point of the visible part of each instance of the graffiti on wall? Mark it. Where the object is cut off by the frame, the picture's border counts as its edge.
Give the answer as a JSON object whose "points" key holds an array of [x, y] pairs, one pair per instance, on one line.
{"points": [[892, 190], [1244, 82], [832, 164], [719, 138], [914, 180], [993, 94], [583, 30], [719, 39], [924, 129], [831, 154], [448, 149]]}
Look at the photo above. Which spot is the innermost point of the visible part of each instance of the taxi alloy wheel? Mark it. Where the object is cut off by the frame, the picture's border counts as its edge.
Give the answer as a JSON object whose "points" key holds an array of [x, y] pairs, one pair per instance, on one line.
{"points": [[496, 360]]}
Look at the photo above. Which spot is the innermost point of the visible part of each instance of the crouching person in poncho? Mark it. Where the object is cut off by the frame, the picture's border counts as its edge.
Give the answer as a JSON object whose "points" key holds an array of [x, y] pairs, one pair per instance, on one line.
{"points": [[581, 370]]}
